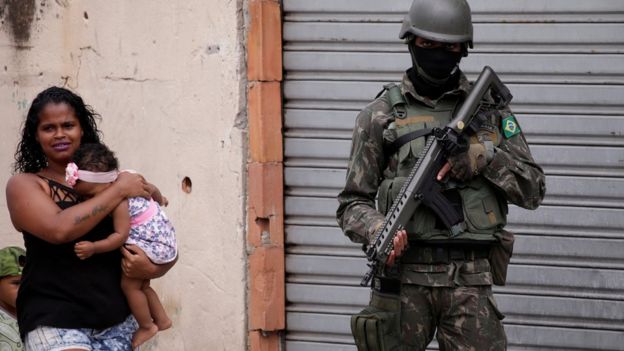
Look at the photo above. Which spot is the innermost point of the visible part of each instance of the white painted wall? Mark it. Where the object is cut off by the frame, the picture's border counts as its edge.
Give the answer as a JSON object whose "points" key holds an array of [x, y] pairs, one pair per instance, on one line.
{"points": [[168, 79]]}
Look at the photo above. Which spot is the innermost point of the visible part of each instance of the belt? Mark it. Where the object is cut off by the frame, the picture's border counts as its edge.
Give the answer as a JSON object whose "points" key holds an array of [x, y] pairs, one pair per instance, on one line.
{"points": [[386, 285], [443, 254]]}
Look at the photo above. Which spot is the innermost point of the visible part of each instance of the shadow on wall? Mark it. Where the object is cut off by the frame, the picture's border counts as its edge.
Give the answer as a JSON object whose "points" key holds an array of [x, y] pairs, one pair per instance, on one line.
{"points": [[16, 17]]}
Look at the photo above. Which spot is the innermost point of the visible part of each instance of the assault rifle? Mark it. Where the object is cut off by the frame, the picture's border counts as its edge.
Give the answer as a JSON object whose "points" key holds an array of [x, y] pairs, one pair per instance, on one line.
{"points": [[421, 186]]}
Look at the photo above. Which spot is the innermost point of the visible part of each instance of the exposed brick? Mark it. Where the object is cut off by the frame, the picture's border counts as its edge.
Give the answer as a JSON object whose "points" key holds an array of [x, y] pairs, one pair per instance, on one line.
{"points": [[264, 41], [265, 204], [264, 114], [265, 229], [266, 342], [266, 289]]}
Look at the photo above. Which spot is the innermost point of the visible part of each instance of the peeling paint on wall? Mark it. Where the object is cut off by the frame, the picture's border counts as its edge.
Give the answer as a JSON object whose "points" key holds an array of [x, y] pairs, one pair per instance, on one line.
{"points": [[63, 3], [18, 17]]}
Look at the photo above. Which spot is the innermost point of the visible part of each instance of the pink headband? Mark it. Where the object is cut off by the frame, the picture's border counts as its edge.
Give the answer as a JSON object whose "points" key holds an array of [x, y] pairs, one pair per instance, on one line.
{"points": [[72, 174]]}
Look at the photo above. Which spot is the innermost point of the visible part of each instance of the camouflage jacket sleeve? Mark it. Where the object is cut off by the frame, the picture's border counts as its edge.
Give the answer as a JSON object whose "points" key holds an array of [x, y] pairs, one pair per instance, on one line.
{"points": [[357, 214], [514, 171]]}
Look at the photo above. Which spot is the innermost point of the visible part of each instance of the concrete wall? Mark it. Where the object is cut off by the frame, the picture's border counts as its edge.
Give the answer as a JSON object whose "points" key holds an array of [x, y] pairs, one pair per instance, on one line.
{"points": [[168, 79]]}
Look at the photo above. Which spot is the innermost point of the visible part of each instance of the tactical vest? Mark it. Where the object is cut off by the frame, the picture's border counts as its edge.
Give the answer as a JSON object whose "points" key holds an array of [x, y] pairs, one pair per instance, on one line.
{"points": [[484, 209]]}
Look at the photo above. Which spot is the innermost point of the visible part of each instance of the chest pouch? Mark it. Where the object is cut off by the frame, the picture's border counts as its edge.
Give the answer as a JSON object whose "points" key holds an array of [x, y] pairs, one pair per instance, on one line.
{"points": [[484, 209]]}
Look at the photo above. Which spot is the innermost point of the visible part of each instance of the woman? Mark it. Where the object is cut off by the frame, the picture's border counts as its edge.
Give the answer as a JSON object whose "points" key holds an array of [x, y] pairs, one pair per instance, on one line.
{"points": [[65, 303]]}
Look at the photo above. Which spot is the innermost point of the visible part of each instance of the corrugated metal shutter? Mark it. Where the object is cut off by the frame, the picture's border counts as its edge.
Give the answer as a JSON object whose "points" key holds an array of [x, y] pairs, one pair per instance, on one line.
{"points": [[564, 62]]}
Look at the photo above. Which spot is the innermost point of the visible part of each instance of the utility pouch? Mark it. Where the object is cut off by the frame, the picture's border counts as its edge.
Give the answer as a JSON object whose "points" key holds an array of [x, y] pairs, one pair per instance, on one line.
{"points": [[378, 327], [482, 208], [500, 254]]}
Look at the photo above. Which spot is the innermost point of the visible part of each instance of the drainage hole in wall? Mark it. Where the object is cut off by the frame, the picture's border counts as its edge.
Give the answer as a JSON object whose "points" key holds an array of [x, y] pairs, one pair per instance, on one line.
{"points": [[187, 185]]}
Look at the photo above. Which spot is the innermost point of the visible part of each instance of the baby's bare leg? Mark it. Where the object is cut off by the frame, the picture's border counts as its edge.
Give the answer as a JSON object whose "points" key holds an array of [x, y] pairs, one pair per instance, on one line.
{"points": [[137, 300], [156, 308]]}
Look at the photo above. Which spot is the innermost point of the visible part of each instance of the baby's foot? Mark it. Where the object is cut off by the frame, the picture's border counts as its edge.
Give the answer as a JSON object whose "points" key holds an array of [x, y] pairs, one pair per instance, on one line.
{"points": [[163, 324], [143, 334]]}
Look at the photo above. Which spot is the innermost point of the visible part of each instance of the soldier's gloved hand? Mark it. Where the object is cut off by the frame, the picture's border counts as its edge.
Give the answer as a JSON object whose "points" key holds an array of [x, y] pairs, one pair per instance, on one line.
{"points": [[468, 164]]}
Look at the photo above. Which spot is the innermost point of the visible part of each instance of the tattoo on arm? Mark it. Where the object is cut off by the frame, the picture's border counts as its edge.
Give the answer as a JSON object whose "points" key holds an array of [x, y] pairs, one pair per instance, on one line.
{"points": [[95, 211]]}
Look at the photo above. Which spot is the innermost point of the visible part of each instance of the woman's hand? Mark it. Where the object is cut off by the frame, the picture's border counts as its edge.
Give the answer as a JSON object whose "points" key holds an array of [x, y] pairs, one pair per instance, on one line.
{"points": [[135, 264], [132, 185], [157, 195], [163, 201]]}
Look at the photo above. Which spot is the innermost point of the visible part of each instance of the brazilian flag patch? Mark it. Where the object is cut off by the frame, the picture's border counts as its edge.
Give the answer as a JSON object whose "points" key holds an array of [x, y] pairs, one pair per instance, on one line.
{"points": [[510, 126]]}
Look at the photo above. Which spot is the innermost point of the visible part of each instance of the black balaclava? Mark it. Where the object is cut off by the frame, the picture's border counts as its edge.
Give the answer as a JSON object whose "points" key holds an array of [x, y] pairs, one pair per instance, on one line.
{"points": [[434, 71]]}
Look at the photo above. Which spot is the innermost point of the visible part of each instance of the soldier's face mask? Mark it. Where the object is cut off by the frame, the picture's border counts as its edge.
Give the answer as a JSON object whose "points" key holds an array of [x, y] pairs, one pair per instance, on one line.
{"points": [[438, 63]]}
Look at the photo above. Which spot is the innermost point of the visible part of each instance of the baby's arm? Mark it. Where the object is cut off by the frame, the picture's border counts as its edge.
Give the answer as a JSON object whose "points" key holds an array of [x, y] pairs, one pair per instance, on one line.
{"points": [[157, 195], [121, 221]]}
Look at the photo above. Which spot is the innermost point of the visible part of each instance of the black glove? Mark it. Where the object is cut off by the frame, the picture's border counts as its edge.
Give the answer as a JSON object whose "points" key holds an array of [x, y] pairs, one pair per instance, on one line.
{"points": [[468, 164]]}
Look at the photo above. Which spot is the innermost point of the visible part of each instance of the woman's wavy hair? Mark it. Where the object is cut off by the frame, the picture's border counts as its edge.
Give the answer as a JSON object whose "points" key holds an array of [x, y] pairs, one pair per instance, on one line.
{"points": [[29, 157]]}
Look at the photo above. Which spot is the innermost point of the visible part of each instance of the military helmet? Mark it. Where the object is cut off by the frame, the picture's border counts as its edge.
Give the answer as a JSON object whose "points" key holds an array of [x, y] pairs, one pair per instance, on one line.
{"points": [[447, 21]]}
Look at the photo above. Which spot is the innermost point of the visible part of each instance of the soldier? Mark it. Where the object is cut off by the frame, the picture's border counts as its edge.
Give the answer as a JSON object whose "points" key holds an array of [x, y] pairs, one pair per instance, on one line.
{"points": [[440, 283]]}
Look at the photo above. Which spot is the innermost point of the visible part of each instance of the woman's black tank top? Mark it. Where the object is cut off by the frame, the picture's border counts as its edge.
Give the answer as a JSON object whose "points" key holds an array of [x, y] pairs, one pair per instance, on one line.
{"points": [[60, 290]]}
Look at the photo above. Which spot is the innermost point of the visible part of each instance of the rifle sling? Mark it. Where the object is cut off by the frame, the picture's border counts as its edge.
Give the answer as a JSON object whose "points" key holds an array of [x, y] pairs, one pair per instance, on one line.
{"points": [[391, 149]]}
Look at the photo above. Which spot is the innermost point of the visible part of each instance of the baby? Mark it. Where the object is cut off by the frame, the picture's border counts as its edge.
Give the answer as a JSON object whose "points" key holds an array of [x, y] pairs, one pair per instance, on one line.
{"points": [[136, 221]]}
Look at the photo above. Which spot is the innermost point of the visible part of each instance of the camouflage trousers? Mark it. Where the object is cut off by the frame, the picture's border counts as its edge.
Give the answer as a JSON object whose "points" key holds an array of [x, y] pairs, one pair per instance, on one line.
{"points": [[464, 318]]}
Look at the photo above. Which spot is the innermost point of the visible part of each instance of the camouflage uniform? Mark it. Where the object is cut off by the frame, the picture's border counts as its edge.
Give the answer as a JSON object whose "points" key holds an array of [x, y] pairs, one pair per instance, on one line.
{"points": [[453, 296], [11, 265]]}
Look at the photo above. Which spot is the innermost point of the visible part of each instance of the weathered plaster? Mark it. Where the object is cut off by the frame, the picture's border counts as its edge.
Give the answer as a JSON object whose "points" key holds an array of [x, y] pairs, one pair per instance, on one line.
{"points": [[168, 79], [18, 17]]}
